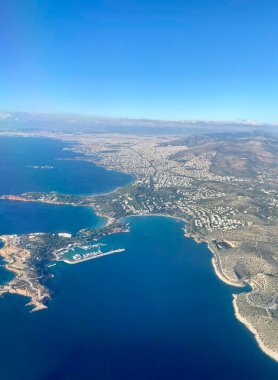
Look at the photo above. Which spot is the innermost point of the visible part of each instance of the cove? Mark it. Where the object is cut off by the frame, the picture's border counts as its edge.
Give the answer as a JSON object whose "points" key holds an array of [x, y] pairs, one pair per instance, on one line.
{"points": [[157, 311], [27, 217]]}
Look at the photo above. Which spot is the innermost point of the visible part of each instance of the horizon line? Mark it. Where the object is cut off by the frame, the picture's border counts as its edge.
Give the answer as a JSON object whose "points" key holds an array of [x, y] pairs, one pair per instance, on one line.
{"points": [[10, 115]]}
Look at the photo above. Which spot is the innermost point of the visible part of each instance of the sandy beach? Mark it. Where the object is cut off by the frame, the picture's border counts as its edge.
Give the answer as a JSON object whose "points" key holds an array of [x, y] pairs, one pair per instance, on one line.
{"points": [[223, 277], [109, 219]]}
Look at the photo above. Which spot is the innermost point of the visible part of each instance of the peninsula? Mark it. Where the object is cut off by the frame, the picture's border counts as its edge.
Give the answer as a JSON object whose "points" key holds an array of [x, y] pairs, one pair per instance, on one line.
{"points": [[223, 185]]}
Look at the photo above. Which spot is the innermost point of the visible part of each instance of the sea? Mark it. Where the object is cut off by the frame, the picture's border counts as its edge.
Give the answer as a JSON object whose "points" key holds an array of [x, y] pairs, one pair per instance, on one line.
{"points": [[155, 311]]}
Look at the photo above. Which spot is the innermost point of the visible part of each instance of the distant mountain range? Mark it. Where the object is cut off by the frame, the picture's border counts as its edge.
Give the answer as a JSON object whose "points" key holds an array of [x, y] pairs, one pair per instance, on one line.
{"points": [[70, 122]]}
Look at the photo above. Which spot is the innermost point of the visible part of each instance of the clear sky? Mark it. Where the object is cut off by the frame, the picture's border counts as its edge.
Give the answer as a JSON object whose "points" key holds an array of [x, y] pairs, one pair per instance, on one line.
{"points": [[167, 59]]}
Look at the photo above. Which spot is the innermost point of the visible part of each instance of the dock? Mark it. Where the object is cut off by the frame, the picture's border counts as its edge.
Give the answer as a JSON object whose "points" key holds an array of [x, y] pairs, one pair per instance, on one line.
{"points": [[93, 255]]}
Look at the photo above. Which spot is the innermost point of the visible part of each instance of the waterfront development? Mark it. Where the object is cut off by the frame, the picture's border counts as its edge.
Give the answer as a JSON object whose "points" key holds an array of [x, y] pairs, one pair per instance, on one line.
{"points": [[85, 253], [155, 312], [163, 187], [139, 190]]}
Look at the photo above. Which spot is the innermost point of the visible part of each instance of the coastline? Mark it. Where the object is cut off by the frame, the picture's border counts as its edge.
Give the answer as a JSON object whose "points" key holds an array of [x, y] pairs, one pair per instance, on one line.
{"points": [[35, 298], [221, 275], [67, 261], [109, 219], [196, 237], [268, 351], [158, 215], [199, 239], [9, 197], [216, 263]]}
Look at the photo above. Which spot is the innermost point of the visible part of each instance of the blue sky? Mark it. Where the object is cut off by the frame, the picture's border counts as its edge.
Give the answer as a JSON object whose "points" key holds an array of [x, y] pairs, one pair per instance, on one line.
{"points": [[175, 59]]}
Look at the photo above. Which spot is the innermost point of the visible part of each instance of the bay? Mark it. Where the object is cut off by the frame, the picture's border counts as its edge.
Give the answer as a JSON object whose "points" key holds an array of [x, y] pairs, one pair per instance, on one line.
{"points": [[29, 217], [43, 165], [156, 311]]}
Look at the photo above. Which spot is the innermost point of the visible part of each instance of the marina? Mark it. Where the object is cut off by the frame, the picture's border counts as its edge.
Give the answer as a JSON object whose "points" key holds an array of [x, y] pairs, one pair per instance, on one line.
{"points": [[85, 256]]}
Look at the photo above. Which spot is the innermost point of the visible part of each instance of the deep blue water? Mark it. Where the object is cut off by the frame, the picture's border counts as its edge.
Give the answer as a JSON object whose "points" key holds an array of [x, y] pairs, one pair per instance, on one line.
{"points": [[25, 217], [157, 311], [18, 155]]}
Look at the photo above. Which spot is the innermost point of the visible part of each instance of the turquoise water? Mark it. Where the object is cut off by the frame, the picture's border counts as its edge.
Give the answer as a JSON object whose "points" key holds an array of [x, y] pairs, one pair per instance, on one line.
{"points": [[156, 311]]}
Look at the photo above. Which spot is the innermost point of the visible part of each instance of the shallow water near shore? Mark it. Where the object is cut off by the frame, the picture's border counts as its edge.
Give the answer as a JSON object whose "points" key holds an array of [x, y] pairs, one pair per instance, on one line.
{"points": [[156, 311]]}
